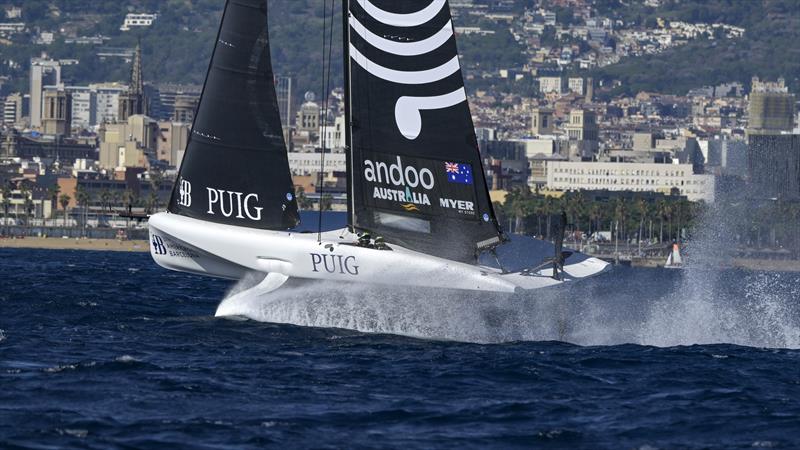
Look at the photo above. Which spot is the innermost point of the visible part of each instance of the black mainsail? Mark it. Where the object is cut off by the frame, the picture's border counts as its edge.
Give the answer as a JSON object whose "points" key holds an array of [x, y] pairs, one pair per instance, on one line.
{"points": [[415, 168], [235, 170]]}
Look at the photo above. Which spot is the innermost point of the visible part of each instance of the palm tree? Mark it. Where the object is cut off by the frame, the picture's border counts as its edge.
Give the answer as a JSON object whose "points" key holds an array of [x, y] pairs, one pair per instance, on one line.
{"points": [[156, 180], [128, 198], [30, 208], [575, 207], [115, 199], [663, 210], [641, 209], [619, 216], [83, 199], [28, 203], [64, 199], [326, 202], [152, 202], [538, 210], [6, 205], [595, 216], [519, 201], [105, 200], [682, 210], [53, 192], [302, 199], [549, 209], [559, 209]]}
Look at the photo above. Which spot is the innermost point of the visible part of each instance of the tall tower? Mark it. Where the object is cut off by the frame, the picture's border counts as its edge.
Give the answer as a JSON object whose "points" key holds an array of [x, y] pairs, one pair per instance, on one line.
{"points": [[589, 90], [132, 102], [57, 117], [44, 72], [773, 155], [542, 121], [583, 134], [283, 89], [772, 107]]}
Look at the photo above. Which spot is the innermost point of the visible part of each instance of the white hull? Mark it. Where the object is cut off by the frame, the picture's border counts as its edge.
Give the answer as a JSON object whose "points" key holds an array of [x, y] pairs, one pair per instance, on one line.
{"points": [[189, 245]]}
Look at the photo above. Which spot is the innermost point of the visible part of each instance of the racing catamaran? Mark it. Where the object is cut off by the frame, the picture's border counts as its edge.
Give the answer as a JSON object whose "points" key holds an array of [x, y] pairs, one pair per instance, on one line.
{"points": [[419, 211]]}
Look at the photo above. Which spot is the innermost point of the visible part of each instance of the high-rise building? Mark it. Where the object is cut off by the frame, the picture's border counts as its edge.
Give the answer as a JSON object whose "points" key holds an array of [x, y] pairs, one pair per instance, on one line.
{"points": [[773, 156], [333, 135], [583, 133], [308, 119], [582, 125], [128, 144], [172, 140], [161, 98], [84, 107], [133, 102], [57, 117], [12, 109], [772, 107], [729, 155], [283, 88], [95, 104], [184, 108], [44, 72], [773, 163]]}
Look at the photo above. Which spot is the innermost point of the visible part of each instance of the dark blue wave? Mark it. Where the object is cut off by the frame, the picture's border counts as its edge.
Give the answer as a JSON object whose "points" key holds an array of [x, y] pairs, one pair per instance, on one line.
{"points": [[104, 350]]}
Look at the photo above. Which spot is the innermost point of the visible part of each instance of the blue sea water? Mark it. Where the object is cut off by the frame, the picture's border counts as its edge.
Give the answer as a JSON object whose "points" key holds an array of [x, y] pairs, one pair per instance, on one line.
{"points": [[105, 350]]}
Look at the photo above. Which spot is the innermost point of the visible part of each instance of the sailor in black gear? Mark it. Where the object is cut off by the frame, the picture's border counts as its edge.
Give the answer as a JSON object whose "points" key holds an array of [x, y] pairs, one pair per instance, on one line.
{"points": [[365, 240]]}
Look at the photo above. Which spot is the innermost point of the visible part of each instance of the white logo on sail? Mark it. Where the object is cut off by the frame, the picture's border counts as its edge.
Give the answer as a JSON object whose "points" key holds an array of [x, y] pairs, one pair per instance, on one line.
{"points": [[230, 204], [185, 194], [408, 110], [416, 19]]}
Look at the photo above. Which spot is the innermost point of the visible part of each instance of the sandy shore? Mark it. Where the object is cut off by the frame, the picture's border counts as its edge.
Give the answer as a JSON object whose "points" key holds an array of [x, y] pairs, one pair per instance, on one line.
{"points": [[112, 245]]}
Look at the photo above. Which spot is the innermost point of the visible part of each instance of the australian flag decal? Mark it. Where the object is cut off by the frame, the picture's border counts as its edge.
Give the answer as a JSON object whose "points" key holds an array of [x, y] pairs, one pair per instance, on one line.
{"points": [[458, 173]]}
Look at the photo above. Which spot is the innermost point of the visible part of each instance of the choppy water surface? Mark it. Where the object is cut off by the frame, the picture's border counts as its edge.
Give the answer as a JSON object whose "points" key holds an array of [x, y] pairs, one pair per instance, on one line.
{"points": [[102, 350]]}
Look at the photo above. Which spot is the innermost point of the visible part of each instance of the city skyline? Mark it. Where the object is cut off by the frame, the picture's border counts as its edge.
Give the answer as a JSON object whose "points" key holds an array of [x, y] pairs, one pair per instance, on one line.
{"points": [[562, 139]]}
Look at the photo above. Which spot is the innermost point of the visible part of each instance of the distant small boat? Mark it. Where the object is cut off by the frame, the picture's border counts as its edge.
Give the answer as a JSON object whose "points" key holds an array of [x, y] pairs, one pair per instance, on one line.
{"points": [[674, 260]]}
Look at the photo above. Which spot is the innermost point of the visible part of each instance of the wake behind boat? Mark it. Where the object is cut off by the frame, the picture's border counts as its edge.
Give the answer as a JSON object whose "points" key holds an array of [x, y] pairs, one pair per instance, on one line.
{"points": [[415, 176]]}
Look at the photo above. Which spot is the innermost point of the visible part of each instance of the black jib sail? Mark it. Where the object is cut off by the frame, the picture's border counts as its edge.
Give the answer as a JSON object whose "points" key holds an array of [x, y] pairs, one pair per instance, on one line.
{"points": [[416, 172], [236, 170]]}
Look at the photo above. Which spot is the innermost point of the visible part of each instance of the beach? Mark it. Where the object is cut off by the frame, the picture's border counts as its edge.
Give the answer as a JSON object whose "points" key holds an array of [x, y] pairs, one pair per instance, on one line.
{"points": [[75, 244]]}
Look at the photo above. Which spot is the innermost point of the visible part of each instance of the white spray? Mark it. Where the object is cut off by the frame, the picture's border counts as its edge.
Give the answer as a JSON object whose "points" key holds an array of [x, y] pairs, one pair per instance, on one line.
{"points": [[701, 305]]}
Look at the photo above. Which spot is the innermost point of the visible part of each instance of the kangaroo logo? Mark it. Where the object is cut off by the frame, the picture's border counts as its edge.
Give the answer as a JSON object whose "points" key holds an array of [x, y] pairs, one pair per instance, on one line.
{"points": [[408, 109], [158, 245], [185, 192]]}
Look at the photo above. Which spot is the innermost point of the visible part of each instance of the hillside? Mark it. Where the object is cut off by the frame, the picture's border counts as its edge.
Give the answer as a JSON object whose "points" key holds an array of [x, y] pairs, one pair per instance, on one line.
{"points": [[177, 47], [770, 48]]}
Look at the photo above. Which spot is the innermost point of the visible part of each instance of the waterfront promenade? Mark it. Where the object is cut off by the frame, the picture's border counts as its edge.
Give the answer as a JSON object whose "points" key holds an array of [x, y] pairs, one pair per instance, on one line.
{"points": [[75, 244]]}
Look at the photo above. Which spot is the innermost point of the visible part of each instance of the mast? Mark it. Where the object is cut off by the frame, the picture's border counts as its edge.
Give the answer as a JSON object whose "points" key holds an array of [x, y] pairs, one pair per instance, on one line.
{"points": [[348, 125]]}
